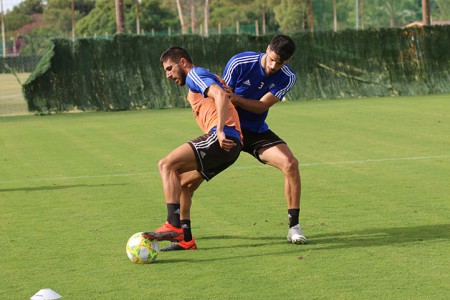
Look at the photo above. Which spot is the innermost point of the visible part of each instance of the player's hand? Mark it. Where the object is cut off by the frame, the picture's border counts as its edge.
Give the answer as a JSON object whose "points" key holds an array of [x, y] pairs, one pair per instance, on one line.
{"points": [[227, 89], [233, 98], [225, 143]]}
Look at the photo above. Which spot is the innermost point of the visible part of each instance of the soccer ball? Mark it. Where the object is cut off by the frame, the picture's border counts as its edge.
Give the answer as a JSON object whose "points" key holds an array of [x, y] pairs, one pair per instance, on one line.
{"points": [[141, 250]]}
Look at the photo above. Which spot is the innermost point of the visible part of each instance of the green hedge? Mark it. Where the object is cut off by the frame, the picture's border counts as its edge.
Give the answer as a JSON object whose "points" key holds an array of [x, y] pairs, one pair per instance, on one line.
{"points": [[125, 72]]}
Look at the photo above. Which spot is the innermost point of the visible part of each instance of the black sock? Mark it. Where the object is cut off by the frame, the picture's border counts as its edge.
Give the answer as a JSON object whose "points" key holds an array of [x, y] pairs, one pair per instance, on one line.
{"points": [[186, 225], [173, 214], [293, 214]]}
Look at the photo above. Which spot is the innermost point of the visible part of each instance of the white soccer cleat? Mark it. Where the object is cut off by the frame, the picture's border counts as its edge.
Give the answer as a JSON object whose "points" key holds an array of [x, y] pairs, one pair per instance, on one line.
{"points": [[296, 236]]}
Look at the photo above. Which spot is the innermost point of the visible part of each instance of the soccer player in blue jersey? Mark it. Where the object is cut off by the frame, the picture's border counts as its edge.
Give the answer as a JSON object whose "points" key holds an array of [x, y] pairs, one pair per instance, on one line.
{"points": [[184, 169], [256, 81]]}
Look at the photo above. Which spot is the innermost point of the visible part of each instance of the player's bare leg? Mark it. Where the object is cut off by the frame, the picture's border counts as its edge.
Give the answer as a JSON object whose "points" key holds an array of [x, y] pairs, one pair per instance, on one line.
{"points": [[190, 181], [281, 157], [180, 179], [180, 161]]}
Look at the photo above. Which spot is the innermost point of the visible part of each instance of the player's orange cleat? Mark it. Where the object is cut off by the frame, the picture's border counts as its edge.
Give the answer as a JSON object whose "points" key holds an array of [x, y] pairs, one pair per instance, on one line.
{"points": [[172, 233], [183, 245], [167, 232]]}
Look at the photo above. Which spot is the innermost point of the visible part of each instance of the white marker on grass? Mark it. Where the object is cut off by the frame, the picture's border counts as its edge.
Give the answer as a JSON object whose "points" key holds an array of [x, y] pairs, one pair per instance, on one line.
{"points": [[46, 294]]}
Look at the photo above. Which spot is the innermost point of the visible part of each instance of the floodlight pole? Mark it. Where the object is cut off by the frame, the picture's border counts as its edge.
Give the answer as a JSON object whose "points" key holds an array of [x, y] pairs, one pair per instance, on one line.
{"points": [[3, 30], [138, 22], [334, 16], [311, 16], [357, 14], [206, 18], [264, 18], [73, 21]]}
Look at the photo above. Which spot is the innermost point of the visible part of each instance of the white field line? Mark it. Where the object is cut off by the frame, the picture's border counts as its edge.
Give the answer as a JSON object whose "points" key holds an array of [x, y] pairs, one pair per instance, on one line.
{"points": [[9, 96], [375, 160], [380, 160]]}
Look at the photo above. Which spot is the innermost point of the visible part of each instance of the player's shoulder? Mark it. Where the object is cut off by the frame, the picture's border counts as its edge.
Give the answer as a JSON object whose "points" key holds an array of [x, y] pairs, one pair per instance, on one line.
{"points": [[200, 70], [287, 71], [247, 56], [199, 74]]}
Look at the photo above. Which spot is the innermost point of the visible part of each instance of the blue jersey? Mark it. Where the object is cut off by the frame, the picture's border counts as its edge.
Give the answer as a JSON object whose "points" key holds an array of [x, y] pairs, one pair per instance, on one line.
{"points": [[245, 74], [199, 80]]}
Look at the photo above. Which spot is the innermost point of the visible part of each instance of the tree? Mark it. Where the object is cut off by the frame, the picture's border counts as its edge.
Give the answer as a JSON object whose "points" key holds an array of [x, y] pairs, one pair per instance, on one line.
{"points": [[98, 16], [442, 11], [292, 15], [193, 16], [22, 14], [181, 18], [15, 20], [390, 13], [228, 12], [29, 7], [58, 15], [101, 19], [426, 14], [120, 16], [155, 16]]}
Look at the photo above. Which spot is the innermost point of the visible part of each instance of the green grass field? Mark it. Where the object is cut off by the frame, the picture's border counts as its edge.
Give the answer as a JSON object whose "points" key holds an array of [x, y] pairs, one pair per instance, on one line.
{"points": [[375, 206], [12, 102]]}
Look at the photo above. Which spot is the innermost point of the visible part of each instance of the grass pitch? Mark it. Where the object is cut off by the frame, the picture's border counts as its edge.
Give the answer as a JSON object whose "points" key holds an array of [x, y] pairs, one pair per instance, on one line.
{"points": [[375, 206], [12, 102]]}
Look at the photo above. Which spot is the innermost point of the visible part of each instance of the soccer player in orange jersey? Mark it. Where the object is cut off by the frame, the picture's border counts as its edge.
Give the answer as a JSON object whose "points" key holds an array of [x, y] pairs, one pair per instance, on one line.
{"points": [[202, 158]]}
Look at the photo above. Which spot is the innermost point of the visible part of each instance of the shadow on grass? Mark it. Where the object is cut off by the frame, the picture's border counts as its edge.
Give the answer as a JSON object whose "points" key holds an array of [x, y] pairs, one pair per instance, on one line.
{"points": [[375, 237], [55, 187], [362, 238]]}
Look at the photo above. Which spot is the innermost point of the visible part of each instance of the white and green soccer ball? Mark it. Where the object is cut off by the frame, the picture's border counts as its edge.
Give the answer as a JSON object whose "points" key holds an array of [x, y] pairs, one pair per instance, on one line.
{"points": [[141, 250]]}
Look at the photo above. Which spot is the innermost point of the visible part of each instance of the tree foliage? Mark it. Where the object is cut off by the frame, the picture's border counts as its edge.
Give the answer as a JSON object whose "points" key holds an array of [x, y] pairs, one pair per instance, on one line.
{"points": [[291, 15], [29, 7], [102, 20], [287, 16], [153, 16], [443, 11], [21, 14]]}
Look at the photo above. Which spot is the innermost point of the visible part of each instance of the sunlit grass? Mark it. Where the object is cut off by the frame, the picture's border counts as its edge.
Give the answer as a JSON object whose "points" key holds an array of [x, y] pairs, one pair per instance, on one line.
{"points": [[375, 204]]}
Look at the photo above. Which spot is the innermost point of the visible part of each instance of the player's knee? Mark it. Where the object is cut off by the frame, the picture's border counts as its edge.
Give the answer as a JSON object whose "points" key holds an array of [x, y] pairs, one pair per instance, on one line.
{"points": [[163, 165], [191, 188], [291, 165]]}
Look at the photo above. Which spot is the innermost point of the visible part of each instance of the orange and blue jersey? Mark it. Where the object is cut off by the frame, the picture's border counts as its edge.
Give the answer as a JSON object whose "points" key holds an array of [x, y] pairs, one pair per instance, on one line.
{"points": [[203, 107], [245, 75]]}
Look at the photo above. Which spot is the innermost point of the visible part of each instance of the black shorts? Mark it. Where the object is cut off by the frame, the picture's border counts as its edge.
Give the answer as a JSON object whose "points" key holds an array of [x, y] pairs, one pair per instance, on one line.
{"points": [[254, 141], [211, 158]]}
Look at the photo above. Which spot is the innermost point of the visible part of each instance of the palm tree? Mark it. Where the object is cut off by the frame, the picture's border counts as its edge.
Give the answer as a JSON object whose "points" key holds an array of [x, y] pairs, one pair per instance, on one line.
{"points": [[120, 17]]}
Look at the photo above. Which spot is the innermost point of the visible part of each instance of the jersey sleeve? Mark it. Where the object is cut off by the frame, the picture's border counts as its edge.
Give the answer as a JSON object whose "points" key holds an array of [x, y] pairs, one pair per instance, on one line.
{"points": [[285, 84], [199, 80], [229, 72]]}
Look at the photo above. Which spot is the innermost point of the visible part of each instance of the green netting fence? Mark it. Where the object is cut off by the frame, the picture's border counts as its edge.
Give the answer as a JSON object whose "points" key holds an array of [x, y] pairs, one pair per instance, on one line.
{"points": [[125, 73]]}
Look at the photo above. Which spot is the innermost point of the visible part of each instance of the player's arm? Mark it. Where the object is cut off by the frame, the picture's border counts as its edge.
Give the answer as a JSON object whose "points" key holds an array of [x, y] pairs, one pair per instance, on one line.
{"points": [[218, 94], [221, 100], [255, 106]]}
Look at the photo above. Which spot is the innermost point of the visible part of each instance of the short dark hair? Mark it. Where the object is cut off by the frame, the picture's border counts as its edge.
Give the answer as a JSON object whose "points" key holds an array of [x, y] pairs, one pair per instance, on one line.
{"points": [[175, 54], [283, 46]]}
